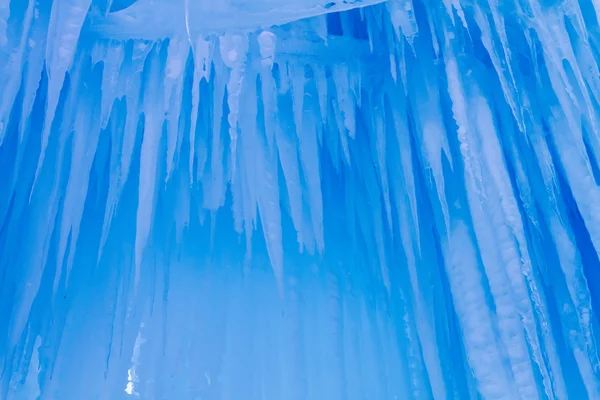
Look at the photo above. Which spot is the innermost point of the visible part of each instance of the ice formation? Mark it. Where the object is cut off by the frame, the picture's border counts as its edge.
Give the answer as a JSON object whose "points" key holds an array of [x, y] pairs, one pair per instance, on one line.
{"points": [[299, 199]]}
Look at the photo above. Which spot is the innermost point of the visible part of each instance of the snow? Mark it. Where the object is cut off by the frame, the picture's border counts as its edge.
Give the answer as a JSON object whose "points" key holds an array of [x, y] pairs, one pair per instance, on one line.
{"points": [[337, 200]]}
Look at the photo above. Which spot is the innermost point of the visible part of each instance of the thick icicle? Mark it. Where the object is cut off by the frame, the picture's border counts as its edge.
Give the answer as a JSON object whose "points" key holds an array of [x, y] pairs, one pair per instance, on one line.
{"points": [[153, 123], [66, 21]]}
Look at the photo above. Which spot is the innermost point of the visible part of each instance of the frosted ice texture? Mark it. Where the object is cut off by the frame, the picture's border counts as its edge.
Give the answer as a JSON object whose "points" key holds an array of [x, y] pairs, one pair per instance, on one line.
{"points": [[199, 201]]}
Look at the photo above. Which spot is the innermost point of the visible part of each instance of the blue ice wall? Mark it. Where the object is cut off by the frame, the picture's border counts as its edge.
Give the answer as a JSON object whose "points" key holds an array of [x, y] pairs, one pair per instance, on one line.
{"points": [[299, 200]]}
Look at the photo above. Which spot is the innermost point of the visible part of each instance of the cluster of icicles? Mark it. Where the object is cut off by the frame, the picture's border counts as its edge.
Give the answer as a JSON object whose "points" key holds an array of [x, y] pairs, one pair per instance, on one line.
{"points": [[487, 116]]}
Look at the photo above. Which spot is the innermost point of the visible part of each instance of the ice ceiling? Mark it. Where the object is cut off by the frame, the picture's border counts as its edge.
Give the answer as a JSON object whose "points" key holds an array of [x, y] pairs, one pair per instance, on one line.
{"points": [[159, 19], [299, 200]]}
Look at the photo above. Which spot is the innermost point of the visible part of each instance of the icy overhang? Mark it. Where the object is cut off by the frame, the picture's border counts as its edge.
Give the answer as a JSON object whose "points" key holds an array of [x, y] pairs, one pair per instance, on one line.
{"points": [[155, 19]]}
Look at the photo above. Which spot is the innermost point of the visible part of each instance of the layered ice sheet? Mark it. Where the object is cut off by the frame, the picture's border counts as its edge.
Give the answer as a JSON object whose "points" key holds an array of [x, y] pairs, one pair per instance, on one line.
{"points": [[154, 19], [393, 202]]}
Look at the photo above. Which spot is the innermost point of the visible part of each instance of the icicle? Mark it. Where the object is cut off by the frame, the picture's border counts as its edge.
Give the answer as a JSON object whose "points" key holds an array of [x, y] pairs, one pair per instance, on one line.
{"points": [[267, 42], [503, 65], [344, 97], [516, 253], [306, 131], [320, 78], [35, 64], [234, 49], [86, 133], [297, 86], [504, 267], [202, 63], [434, 143], [339, 122], [66, 21], [112, 55], [403, 20], [12, 64], [215, 183], [173, 92], [148, 163], [264, 182], [319, 25], [132, 93], [122, 148], [492, 377], [460, 110], [405, 151], [370, 217], [377, 113], [288, 156]]}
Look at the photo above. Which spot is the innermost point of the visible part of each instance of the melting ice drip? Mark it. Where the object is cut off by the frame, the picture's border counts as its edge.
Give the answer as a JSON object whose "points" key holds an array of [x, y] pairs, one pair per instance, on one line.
{"points": [[397, 201]]}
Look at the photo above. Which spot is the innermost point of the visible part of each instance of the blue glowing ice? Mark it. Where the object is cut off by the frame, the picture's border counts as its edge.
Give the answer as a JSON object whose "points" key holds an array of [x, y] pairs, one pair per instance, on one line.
{"points": [[299, 199]]}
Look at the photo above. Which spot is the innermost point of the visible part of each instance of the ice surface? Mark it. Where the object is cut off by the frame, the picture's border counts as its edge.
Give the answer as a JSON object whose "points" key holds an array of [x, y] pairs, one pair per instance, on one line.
{"points": [[299, 199]]}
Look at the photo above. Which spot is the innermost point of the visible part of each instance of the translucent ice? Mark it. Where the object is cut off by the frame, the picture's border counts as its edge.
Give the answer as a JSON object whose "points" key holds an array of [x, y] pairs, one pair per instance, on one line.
{"points": [[299, 200]]}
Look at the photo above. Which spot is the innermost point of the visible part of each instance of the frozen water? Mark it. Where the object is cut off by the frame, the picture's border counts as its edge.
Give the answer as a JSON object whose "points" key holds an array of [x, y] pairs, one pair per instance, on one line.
{"points": [[299, 200], [154, 19]]}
